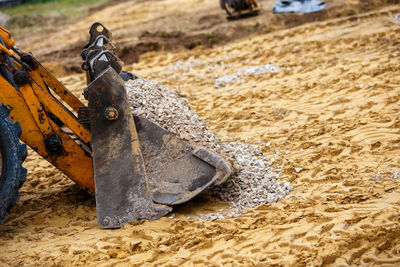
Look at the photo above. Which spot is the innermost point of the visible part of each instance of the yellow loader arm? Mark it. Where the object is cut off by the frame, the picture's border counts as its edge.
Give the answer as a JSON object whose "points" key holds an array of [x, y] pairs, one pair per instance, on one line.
{"points": [[34, 105]]}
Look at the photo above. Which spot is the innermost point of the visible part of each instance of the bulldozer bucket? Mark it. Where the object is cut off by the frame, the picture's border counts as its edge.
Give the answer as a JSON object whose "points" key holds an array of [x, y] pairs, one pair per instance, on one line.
{"points": [[140, 169], [121, 185], [176, 170]]}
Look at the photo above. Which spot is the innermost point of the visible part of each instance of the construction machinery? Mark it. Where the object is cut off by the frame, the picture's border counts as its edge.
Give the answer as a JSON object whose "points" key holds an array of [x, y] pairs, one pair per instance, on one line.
{"points": [[136, 168], [239, 8]]}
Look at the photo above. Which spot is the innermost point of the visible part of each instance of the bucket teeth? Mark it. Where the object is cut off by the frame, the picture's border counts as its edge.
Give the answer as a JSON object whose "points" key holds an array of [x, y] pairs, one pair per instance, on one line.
{"points": [[223, 169], [177, 171]]}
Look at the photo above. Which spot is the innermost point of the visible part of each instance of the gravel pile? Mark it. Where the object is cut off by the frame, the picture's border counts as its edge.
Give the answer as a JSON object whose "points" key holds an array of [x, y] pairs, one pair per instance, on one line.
{"points": [[253, 181]]}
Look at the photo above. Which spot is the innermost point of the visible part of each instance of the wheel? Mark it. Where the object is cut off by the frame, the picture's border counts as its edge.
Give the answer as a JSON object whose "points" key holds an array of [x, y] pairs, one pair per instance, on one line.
{"points": [[227, 5], [254, 4], [12, 155]]}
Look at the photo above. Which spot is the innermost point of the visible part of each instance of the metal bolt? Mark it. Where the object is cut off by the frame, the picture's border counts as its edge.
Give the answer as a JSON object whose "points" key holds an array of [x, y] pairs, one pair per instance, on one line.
{"points": [[106, 221], [111, 113], [21, 77], [53, 143]]}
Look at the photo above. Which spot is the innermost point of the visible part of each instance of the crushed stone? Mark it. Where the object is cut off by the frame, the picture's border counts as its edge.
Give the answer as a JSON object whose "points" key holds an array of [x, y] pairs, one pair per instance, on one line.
{"points": [[253, 182], [227, 79], [260, 69], [395, 174], [244, 71], [397, 18], [219, 64], [186, 65], [298, 169]]}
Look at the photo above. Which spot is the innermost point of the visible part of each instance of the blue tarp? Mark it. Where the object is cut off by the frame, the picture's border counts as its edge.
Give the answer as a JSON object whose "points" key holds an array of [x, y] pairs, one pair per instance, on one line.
{"points": [[301, 6]]}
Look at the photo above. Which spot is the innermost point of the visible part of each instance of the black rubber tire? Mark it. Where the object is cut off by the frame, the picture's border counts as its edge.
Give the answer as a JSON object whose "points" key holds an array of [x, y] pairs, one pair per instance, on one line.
{"points": [[226, 5], [13, 154]]}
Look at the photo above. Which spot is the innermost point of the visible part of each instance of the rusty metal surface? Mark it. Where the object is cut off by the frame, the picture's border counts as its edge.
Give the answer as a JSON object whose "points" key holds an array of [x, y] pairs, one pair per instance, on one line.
{"points": [[223, 170], [83, 117], [122, 194], [139, 167], [73, 161], [97, 29], [175, 173]]}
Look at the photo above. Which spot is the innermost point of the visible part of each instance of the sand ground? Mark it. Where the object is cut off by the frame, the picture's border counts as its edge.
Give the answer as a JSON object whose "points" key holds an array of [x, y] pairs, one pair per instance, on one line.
{"points": [[330, 114]]}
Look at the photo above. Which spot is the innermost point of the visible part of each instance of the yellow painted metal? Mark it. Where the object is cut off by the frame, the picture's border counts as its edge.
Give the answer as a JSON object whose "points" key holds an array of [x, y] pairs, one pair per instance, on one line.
{"points": [[73, 160], [59, 88], [37, 111], [6, 36], [19, 111], [5, 50], [54, 106]]}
